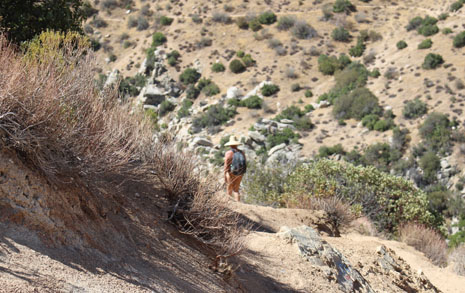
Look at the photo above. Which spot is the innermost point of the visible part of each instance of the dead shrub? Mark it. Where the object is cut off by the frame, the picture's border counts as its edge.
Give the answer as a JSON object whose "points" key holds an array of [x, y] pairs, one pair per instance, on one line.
{"points": [[425, 240], [364, 226], [52, 113], [457, 259]]}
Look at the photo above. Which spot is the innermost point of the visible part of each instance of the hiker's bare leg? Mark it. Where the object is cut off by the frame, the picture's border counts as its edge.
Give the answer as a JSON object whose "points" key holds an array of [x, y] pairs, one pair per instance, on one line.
{"points": [[237, 196]]}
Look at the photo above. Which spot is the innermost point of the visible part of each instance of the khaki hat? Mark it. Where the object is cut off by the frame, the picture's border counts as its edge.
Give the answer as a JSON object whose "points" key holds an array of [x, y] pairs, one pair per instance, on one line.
{"points": [[233, 141]]}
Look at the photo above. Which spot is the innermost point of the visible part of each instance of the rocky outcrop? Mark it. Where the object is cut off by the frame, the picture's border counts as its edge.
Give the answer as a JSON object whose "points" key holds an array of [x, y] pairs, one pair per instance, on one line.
{"points": [[319, 253]]}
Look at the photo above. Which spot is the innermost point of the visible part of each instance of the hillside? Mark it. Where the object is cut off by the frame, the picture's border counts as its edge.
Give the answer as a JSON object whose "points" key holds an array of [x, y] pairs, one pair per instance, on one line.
{"points": [[112, 141]]}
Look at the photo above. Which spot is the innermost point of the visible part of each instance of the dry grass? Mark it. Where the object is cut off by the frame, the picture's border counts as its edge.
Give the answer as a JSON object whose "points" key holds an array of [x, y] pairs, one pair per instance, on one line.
{"points": [[364, 226], [457, 258], [425, 240], [54, 116]]}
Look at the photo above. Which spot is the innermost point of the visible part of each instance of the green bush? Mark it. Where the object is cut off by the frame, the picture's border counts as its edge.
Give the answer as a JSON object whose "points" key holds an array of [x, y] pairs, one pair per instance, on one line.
{"points": [[443, 16], [447, 31], [381, 155], [286, 23], [414, 23], [290, 113], [432, 61], [358, 49], [184, 110], [218, 67], [387, 200], [252, 102], [236, 66], [414, 109], [192, 92], [214, 116], [325, 151], [255, 25], [356, 104], [308, 94], [383, 125], [370, 120], [329, 65], [285, 136], [343, 6], [309, 108], [165, 107], [247, 60], [459, 40], [158, 39], [340, 34], [173, 57], [211, 89], [130, 85], [165, 20], [425, 44], [428, 30], [303, 123], [401, 45], [189, 76], [456, 6], [430, 164], [436, 132], [269, 89], [267, 17]]}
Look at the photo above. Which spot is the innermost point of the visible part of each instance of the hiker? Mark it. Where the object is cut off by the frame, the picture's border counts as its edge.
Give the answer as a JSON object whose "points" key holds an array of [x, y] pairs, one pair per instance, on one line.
{"points": [[234, 167]]}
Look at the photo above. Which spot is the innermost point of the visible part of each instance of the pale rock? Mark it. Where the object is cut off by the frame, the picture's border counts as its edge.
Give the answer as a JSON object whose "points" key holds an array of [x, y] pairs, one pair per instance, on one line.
{"points": [[276, 148]]}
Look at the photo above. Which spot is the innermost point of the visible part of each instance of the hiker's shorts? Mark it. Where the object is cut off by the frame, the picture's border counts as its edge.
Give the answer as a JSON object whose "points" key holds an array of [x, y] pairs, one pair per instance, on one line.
{"points": [[233, 182]]}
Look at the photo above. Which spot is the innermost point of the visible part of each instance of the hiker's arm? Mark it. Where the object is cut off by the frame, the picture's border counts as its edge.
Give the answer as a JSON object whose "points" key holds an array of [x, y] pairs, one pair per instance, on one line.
{"points": [[228, 157]]}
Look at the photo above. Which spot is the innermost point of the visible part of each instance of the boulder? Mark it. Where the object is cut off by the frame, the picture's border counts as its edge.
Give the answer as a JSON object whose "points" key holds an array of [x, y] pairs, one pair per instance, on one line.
{"points": [[276, 148], [233, 93], [286, 121], [445, 164], [319, 253], [153, 95], [282, 126], [257, 137], [112, 78], [202, 141]]}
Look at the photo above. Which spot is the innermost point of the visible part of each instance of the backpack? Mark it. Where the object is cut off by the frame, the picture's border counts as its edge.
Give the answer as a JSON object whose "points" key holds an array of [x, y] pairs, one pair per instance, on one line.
{"points": [[238, 165]]}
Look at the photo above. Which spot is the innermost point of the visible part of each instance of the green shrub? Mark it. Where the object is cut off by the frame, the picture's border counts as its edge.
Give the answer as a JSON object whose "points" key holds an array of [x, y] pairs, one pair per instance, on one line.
{"points": [[443, 16], [165, 107], [387, 200], [131, 85], [269, 89], [165, 20], [381, 155], [370, 120], [414, 109], [343, 6], [325, 151], [218, 67], [267, 17], [447, 31], [240, 54], [286, 23], [184, 110], [432, 61], [358, 49], [252, 102], [303, 123], [211, 89], [247, 60], [255, 25], [436, 132], [329, 65], [456, 6], [214, 116], [303, 30], [158, 39], [236, 66], [428, 30], [192, 92], [356, 104], [290, 113], [455, 240], [425, 44], [173, 57], [430, 164], [383, 125], [401, 45], [459, 40], [309, 108], [142, 23], [340, 34], [414, 23], [308, 94], [285, 136], [189, 76]]}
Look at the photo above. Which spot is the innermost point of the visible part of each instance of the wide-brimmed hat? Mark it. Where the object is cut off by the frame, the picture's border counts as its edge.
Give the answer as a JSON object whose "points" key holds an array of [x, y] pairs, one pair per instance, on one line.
{"points": [[233, 141]]}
